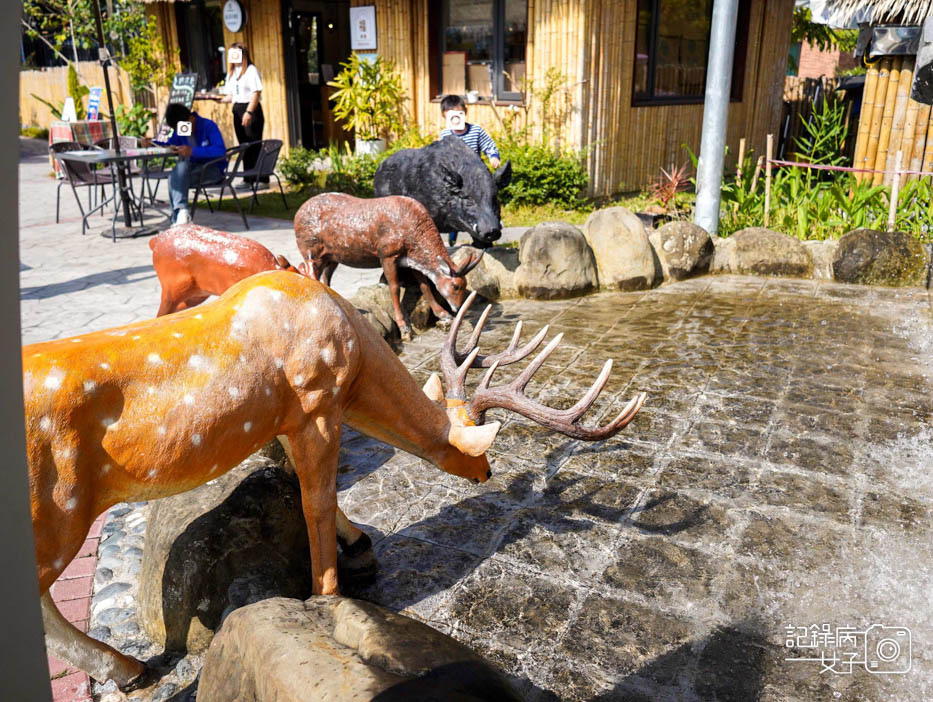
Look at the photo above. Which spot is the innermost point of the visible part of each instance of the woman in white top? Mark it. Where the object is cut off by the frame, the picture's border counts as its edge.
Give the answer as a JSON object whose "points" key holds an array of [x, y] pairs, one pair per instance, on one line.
{"points": [[243, 87]]}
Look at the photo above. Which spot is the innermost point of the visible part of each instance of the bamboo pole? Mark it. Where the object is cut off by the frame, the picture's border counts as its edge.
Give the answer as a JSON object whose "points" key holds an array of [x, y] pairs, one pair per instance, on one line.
{"points": [[927, 164], [738, 168], [874, 129], [920, 138], [900, 113], [907, 140], [895, 184], [887, 122], [768, 179], [757, 173]]}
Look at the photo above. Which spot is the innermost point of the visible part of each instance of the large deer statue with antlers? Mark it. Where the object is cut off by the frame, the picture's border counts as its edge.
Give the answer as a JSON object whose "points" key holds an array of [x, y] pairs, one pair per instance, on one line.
{"points": [[159, 407]]}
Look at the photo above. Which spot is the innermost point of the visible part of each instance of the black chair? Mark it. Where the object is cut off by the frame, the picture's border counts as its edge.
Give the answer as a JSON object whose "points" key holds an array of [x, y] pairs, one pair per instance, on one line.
{"points": [[265, 168], [235, 153], [78, 175]]}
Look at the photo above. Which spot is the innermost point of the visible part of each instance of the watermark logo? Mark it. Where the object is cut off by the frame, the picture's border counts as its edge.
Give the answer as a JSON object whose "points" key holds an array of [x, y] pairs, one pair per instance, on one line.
{"points": [[882, 650]]}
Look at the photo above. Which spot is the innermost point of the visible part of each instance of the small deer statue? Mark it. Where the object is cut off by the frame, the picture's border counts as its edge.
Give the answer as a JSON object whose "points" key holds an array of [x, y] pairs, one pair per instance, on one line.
{"points": [[161, 406], [195, 262], [390, 232]]}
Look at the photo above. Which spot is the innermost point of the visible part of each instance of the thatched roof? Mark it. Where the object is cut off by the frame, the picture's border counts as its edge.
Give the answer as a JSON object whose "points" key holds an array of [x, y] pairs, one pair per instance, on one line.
{"points": [[906, 12]]}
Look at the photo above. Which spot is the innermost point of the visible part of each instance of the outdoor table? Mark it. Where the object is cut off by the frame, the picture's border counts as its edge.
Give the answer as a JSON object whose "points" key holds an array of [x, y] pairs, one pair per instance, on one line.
{"points": [[86, 132], [115, 160]]}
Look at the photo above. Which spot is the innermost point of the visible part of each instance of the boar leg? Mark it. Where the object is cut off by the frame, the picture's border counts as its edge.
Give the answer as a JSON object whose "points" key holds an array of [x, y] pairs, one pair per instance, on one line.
{"points": [[389, 267], [327, 271]]}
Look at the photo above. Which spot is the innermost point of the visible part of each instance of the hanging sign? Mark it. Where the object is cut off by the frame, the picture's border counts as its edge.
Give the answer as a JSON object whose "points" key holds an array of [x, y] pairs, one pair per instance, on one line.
{"points": [[234, 16], [363, 27]]}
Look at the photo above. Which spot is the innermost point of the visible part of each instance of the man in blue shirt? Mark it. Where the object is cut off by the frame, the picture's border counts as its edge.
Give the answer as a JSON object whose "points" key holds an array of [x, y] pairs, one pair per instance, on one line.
{"points": [[204, 143]]}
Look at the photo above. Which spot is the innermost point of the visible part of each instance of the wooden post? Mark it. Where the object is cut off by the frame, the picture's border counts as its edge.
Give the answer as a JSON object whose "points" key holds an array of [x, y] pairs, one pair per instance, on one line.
{"points": [[768, 179], [757, 173], [874, 129], [887, 121], [895, 186], [738, 168]]}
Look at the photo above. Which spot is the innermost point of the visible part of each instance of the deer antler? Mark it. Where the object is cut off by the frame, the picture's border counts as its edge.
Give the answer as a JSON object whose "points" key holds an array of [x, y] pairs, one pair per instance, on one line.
{"points": [[455, 367]]}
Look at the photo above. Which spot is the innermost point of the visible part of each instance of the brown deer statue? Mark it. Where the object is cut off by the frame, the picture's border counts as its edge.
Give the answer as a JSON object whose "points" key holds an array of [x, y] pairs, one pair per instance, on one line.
{"points": [[195, 262], [158, 407], [390, 232]]}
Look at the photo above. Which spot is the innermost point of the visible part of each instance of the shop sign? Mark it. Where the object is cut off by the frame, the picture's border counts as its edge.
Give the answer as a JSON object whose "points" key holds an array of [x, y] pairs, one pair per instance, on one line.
{"points": [[234, 16], [363, 27]]}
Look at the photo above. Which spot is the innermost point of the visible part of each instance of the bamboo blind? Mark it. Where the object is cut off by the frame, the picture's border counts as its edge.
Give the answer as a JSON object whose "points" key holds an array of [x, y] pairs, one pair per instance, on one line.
{"points": [[890, 121]]}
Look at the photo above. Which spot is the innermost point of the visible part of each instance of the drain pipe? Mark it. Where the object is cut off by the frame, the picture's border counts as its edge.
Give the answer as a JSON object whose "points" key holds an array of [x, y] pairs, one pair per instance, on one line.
{"points": [[715, 114]]}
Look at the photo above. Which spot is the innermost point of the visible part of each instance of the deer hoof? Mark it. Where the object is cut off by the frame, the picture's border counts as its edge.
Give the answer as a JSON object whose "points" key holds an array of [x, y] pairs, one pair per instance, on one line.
{"points": [[361, 568], [405, 333], [443, 323]]}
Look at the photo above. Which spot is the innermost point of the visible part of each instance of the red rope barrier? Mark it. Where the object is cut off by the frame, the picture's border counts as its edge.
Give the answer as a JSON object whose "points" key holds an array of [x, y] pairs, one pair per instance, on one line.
{"points": [[847, 169]]}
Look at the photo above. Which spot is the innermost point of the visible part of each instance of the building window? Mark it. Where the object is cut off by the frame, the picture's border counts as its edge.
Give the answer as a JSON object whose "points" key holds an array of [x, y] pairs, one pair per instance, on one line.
{"points": [[672, 49], [482, 47], [200, 39]]}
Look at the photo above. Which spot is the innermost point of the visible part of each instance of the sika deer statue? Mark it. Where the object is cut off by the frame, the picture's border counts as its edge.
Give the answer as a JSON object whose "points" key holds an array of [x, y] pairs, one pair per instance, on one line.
{"points": [[159, 407], [391, 232], [195, 262]]}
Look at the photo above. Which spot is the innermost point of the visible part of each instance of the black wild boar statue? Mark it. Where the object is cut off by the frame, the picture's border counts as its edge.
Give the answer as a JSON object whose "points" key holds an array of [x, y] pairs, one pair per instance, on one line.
{"points": [[453, 184]]}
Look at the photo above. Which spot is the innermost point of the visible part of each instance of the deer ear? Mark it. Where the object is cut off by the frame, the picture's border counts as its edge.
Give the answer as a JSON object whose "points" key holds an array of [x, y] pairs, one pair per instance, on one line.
{"points": [[473, 441], [433, 388], [444, 268]]}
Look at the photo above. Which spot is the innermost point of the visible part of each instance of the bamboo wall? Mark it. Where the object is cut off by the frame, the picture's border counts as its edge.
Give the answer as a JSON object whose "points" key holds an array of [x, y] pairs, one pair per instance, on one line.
{"points": [[264, 36], [52, 84], [890, 121]]}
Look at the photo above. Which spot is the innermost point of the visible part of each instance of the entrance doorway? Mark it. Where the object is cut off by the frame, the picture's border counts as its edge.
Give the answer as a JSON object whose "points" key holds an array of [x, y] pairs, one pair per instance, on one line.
{"points": [[318, 41]]}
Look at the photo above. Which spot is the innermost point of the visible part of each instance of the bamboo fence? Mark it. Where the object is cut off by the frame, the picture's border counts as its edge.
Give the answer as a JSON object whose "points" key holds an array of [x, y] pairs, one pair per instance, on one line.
{"points": [[891, 121], [52, 84]]}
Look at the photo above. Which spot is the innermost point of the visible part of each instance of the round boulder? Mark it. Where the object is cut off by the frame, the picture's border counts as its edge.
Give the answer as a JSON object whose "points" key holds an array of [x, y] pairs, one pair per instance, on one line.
{"points": [[760, 251], [555, 262], [684, 249], [494, 276], [623, 253], [333, 649], [871, 257]]}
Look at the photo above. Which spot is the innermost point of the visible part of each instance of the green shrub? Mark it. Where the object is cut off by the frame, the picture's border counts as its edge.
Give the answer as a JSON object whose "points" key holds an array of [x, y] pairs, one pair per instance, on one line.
{"points": [[35, 133], [296, 167], [542, 176]]}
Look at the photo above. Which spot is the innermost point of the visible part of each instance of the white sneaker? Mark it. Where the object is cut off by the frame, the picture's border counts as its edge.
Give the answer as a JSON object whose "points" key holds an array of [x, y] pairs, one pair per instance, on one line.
{"points": [[183, 216]]}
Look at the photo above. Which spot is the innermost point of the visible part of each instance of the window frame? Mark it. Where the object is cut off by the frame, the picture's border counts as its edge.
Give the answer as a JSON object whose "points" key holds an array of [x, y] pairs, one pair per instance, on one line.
{"points": [[737, 88], [197, 40], [499, 94]]}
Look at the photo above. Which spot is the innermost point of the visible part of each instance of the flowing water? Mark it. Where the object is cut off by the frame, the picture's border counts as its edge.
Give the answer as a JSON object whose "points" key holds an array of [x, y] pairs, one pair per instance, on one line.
{"points": [[779, 477]]}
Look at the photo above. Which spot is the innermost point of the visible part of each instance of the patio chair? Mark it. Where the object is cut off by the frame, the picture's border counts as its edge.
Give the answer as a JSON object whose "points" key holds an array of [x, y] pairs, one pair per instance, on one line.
{"points": [[265, 168], [78, 175], [235, 153]]}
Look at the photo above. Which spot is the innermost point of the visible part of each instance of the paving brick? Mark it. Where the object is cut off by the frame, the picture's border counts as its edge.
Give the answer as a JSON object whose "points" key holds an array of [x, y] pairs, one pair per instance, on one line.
{"points": [[75, 610], [72, 589], [58, 666], [96, 527], [88, 548], [79, 568], [71, 688]]}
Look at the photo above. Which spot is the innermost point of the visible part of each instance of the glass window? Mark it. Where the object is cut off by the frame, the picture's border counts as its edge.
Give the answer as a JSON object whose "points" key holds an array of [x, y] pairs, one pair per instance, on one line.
{"points": [[483, 47], [200, 38], [672, 49]]}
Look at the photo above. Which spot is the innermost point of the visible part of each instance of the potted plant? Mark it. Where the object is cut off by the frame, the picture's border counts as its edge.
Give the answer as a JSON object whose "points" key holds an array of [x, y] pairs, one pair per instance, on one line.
{"points": [[368, 100], [664, 193]]}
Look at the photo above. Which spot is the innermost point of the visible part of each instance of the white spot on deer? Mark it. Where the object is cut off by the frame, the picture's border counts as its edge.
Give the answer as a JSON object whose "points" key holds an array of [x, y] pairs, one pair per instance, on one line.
{"points": [[287, 326], [65, 452], [45, 424], [152, 389], [196, 439], [105, 468], [71, 504], [162, 431], [268, 391], [276, 295], [350, 345], [109, 423], [154, 358], [214, 468], [335, 390], [299, 379], [199, 316], [89, 386], [137, 337], [105, 366], [177, 335], [247, 426], [152, 473], [53, 381], [197, 361], [327, 354], [58, 564], [233, 391], [279, 363], [231, 256], [76, 340], [189, 399]]}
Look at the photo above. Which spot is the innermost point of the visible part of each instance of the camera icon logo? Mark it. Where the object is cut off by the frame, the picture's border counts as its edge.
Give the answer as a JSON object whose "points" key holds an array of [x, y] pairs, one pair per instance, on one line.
{"points": [[887, 649], [184, 129], [456, 120]]}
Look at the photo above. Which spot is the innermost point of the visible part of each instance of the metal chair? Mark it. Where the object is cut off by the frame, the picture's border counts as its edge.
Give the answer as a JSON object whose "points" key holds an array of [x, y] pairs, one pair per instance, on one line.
{"points": [[78, 175], [230, 174], [265, 168]]}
